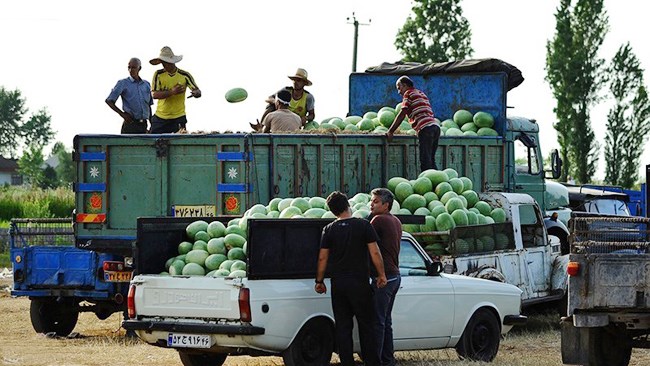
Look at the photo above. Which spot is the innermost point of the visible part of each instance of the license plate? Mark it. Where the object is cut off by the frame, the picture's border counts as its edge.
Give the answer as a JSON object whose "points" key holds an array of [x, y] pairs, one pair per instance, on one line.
{"points": [[118, 276], [179, 340], [194, 211]]}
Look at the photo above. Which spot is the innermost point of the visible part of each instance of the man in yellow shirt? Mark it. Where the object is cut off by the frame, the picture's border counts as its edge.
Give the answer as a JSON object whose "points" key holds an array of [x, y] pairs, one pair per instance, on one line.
{"points": [[168, 86], [301, 103]]}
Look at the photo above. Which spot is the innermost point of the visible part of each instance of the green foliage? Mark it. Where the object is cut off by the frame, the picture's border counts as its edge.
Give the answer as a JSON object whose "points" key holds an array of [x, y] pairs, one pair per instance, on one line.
{"points": [[30, 165], [4, 260], [18, 202], [437, 31], [575, 74], [628, 121], [15, 130], [65, 171]]}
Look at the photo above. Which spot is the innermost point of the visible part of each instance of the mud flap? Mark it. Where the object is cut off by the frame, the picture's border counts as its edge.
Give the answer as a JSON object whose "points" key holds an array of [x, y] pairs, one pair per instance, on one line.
{"points": [[575, 343]]}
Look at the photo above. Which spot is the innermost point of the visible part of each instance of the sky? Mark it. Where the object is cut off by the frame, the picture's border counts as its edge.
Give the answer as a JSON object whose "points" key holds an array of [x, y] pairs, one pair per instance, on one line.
{"points": [[67, 55]]}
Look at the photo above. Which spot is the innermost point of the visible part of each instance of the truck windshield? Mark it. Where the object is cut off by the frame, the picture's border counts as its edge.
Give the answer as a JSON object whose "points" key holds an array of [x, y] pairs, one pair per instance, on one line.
{"points": [[607, 206], [411, 262], [526, 161]]}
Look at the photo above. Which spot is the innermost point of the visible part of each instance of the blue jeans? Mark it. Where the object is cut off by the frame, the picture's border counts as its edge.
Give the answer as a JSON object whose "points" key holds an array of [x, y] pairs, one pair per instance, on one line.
{"points": [[384, 299], [428, 144]]}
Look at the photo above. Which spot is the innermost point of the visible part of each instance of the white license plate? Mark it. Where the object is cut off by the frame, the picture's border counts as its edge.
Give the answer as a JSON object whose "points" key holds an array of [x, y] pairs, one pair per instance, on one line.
{"points": [[180, 340]]}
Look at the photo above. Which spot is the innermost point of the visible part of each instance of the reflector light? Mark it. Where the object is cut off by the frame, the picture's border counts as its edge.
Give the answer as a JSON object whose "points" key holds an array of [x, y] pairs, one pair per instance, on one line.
{"points": [[573, 268], [130, 302], [245, 305]]}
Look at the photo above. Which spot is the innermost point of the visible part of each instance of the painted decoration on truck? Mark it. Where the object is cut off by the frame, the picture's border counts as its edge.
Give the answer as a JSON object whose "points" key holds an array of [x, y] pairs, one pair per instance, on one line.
{"points": [[232, 173], [232, 204], [94, 172], [95, 202]]}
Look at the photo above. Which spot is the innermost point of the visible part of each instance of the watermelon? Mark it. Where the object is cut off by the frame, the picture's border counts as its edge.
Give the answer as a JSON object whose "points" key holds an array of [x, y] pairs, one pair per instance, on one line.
{"points": [[393, 182], [445, 222], [386, 118], [176, 268], [471, 197], [202, 235], [338, 123], [284, 204], [318, 202], [237, 274], [234, 241], [467, 183], [328, 215], [236, 95], [469, 127], [235, 229], [483, 207], [451, 173], [489, 244], [499, 215], [457, 185], [430, 196], [460, 217], [370, 115], [361, 198], [447, 196], [470, 133], [315, 213], [452, 132], [185, 247], [403, 211], [213, 261], [169, 262], [200, 245], [238, 265], [273, 215], [351, 128], [352, 120], [501, 241], [436, 177], [328, 126], [365, 125], [462, 198], [197, 256], [483, 119], [436, 211], [226, 264], [454, 204], [236, 253], [422, 185], [290, 212], [403, 190], [258, 208], [462, 246], [443, 188], [422, 211], [216, 246], [362, 214], [216, 229], [221, 272], [472, 218], [311, 125], [413, 202], [433, 204], [301, 203], [233, 222], [479, 245], [486, 131], [193, 269], [462, 117], [195, 227], [448, 124]]}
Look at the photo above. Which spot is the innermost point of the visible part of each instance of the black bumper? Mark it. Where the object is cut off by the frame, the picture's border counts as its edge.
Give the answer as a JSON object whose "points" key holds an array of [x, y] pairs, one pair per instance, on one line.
{"points": [[192, 328], [515, 320]]}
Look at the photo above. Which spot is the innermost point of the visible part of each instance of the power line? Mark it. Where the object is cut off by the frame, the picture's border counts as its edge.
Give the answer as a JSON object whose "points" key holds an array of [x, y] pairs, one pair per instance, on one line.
{"points": [[356, 24]]}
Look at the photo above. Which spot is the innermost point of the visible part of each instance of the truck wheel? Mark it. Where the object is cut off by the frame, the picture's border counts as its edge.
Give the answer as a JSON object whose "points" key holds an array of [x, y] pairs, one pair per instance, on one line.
{"points": [[609, 347], [481, 337], [313, 346], [202, 359], [51, 316]]}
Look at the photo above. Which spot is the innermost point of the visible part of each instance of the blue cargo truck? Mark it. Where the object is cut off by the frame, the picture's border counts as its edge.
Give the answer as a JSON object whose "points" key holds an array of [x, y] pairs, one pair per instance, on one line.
{"points": [[121, 178]]}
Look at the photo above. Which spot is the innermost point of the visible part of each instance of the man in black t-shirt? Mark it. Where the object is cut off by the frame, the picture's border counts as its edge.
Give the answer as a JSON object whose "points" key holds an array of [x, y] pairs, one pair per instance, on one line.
{"points": [[346, 245]]}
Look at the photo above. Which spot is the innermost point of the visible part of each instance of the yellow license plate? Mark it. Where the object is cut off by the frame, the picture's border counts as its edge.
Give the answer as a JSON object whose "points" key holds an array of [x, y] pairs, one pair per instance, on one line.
{"points": [[117, 276]]}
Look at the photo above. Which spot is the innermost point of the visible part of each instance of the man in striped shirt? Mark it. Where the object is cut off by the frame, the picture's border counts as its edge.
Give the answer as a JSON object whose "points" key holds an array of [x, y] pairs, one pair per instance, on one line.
{"points": [[416, 106]]}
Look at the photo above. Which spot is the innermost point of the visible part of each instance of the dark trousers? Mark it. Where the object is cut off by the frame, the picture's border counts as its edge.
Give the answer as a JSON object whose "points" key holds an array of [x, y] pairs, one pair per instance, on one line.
{"points": [[135, 126], [428, 144], [384, 299], [352, 298], [160, 125]]}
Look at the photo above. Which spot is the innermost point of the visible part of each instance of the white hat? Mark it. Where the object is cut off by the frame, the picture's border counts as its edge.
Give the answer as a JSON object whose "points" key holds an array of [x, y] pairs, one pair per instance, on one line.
{"points": [[167, 55], [301, 74]]}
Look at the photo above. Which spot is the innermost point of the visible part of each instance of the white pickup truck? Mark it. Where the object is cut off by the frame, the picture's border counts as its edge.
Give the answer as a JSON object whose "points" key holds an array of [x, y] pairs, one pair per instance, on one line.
{"points": [[275, 311]]}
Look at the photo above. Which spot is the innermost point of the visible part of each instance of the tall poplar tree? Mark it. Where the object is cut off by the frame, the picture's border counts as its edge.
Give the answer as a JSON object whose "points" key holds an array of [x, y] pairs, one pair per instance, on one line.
{"points": [[437, 31], [576, 74]]}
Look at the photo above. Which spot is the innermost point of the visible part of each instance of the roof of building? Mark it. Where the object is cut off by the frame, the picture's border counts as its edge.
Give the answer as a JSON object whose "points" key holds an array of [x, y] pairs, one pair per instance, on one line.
{"points": [[8, 165]]}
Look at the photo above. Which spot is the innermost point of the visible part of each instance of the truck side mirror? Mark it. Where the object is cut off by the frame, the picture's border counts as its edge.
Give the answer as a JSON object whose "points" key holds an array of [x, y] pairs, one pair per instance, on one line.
{"points": [[434, 268], [556, 165]]}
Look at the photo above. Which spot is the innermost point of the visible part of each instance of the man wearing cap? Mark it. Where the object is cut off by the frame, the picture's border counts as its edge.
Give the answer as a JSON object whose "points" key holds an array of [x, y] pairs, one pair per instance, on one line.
{"points": [[282, 119], [136, 99], [302, 101], [169, 85]]}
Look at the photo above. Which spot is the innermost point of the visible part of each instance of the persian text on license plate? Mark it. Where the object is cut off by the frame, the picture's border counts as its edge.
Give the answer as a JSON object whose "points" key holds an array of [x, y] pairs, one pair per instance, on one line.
{"points": [[180, 340], [117, 276]]}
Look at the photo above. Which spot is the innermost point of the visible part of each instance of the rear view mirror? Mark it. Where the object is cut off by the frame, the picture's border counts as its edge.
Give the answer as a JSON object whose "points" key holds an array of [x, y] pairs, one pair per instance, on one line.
{"points": [[556, 165]]}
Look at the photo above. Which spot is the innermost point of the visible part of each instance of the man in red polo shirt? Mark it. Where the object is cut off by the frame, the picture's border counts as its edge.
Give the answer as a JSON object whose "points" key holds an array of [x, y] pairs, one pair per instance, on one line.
{"points": [[416, 106]]}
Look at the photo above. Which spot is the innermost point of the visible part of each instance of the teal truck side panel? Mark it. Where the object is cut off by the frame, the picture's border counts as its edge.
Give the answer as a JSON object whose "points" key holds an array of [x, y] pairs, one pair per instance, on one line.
{"points": [[122, 178]]}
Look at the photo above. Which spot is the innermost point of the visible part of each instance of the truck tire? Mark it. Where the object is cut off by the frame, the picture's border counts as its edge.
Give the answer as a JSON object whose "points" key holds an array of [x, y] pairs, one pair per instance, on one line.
{"points": [[313, 345], [481, 337], [609, 347], [48, 315], [202, 359]]}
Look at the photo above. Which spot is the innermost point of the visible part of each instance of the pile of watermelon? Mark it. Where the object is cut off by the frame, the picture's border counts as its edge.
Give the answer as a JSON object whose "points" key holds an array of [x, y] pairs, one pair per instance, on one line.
{"points": [[464, 124], [213, 249]]}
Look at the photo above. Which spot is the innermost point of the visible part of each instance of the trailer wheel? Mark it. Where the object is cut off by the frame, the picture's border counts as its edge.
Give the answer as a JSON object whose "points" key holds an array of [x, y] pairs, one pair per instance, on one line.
{"points": [[609, 347], [48, 316], [481, 337], [313, 346], [202, 359]]}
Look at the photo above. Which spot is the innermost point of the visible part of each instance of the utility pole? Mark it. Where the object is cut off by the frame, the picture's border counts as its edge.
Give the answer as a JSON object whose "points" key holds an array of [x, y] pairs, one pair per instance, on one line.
{"points": [[356, 24]]}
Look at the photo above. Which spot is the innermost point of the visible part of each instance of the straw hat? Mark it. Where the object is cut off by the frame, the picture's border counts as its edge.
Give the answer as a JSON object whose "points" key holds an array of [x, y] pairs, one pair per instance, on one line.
{"points": [[167, 55], [301, 74]]}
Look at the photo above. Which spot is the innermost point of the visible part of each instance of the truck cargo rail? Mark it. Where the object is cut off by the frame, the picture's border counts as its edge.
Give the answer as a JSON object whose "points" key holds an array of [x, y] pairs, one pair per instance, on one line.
{"points": [[41, 231], [609, 234]]}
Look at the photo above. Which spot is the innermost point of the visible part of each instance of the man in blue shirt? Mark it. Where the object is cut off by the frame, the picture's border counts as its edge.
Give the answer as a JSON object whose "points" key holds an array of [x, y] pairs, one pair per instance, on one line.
{"points": [[136, 100]]}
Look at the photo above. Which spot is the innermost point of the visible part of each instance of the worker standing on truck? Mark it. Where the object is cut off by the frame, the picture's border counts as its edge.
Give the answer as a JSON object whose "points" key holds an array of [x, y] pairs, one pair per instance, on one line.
{"points": [[169, 85], [282, 119], [346, 244], [389, 231], [301, 103], [415, 105], [136, 99]]}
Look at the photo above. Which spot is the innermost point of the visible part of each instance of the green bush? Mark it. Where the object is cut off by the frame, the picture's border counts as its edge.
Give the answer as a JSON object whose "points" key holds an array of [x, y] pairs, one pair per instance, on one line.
{"points": [[21, 202]]}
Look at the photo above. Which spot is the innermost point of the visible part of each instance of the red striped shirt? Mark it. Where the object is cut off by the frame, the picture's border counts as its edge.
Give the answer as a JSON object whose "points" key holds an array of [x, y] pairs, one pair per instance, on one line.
{"points": [[417, 107]]}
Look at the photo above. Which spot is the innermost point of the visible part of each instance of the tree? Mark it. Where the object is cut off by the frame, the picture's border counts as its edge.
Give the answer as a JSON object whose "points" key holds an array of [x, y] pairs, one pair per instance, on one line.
{"points": [[437, 32], [30, 165], [575, 74], [65, 171], [15, 130]]}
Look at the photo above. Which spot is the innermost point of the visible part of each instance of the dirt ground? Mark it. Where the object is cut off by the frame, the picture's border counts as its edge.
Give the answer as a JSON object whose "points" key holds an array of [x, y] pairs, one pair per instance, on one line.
{"points": [[103, 343]]}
